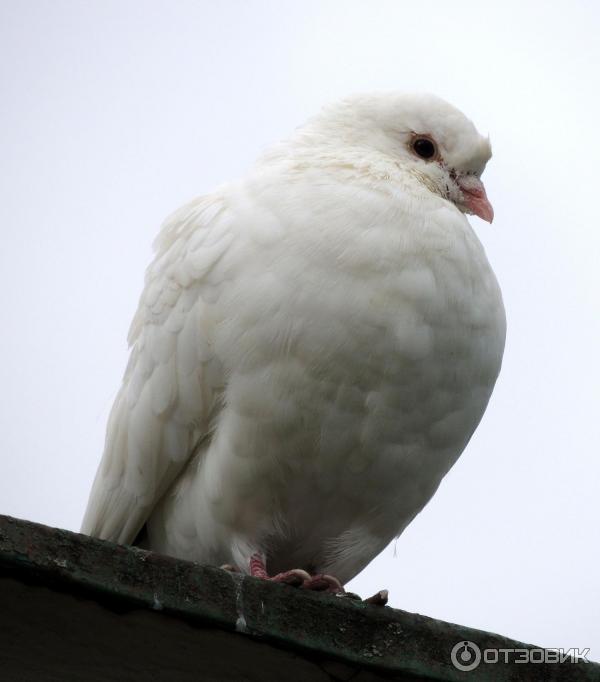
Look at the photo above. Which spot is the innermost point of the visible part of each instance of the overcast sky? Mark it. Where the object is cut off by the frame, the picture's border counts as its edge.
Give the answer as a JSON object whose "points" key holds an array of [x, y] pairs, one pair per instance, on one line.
{"points": [[112, 114]]}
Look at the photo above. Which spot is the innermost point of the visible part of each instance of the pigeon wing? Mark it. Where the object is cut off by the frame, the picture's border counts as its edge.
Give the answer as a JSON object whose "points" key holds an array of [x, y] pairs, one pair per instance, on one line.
{"points": [[172, 385]]}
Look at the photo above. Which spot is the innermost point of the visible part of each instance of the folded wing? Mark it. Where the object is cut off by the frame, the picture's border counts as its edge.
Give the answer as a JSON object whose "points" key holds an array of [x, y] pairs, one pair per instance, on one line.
{"points": [[173, 382]]}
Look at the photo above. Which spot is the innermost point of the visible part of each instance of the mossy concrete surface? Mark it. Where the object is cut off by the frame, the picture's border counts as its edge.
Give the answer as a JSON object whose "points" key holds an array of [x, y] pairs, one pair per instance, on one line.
{"points": [[76, 608]]}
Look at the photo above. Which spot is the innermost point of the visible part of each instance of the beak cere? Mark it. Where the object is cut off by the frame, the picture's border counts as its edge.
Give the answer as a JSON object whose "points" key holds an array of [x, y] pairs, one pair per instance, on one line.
{"points": [[474, 197]]}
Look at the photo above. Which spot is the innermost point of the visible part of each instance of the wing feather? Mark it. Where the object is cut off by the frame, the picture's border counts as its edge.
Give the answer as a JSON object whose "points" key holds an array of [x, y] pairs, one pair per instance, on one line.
{"points": [[171, 388]]}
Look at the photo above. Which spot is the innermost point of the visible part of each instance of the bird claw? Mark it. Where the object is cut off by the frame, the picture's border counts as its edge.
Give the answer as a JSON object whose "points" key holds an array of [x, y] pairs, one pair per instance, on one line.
{"points": [[295, 577], [298, 577], [378, 599], [229, 568], [323, 583]]}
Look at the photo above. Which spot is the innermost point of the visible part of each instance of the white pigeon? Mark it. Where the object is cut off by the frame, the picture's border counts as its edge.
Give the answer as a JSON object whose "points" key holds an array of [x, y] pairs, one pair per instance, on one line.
{"points": [[314, 347]]}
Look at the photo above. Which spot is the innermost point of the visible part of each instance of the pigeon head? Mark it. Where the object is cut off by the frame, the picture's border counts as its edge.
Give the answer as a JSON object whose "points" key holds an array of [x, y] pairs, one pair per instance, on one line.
{"points": [[423, 135]]}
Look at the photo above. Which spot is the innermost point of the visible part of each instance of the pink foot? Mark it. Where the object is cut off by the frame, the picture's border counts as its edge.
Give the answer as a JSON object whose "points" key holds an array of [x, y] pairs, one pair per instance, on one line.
{"points": [[296, 577], [324, 583]]}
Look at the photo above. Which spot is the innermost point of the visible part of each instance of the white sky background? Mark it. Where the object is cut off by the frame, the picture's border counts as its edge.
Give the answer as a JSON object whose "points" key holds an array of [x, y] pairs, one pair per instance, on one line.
{"points": [[112, 114]]}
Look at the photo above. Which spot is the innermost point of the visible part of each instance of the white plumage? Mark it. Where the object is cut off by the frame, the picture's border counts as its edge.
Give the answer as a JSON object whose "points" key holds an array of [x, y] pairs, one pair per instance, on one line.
{"points": [[314, 346]]}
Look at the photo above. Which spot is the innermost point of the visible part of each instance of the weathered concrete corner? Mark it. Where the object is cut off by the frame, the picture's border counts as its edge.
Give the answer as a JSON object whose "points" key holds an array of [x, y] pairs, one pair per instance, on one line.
{"points": [[78, 608]]}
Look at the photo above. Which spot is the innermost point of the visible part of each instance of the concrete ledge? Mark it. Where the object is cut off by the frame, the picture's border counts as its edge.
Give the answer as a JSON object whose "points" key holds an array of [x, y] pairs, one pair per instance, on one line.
{"points": [[76, 608]]}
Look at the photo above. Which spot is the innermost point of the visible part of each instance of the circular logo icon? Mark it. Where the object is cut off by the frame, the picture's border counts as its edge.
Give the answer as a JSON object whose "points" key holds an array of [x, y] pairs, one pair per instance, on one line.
{"points": [[466, 656]]}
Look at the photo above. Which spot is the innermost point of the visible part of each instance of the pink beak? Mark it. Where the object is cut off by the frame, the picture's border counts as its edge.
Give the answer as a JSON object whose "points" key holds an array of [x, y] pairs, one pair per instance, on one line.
{"points": [[475, 199]]}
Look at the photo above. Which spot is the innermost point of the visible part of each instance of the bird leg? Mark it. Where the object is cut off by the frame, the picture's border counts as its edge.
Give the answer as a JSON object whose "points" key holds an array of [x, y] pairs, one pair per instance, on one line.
{"points": [[295, 576]]}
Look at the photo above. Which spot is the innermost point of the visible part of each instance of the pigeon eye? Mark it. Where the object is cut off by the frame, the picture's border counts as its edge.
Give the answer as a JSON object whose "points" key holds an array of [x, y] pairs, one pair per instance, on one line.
{"points": [[424, 147]]}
